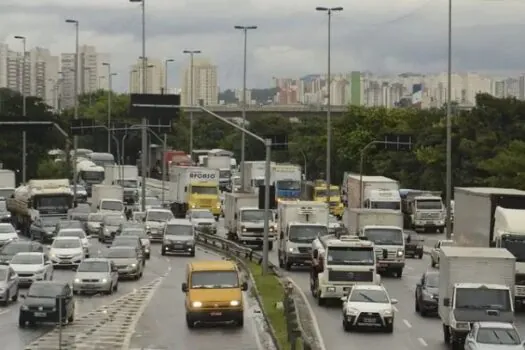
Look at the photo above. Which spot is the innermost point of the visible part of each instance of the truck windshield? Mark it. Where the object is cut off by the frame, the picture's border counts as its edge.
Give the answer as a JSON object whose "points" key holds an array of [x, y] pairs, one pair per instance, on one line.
{"points": [[6, 192], [483, 299], [52, 204], [204, 190], [384, 236], [305, 233], [112, 205], [92, 176], [225, 174], [322, 193], [429, 204], [350, 256], [516, 246], [252, 215], [392, 205], [289, 185]]}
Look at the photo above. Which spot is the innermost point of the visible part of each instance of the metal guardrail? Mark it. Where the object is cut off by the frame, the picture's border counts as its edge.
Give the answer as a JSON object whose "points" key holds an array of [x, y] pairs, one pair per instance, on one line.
{"points": [[296, 335]]}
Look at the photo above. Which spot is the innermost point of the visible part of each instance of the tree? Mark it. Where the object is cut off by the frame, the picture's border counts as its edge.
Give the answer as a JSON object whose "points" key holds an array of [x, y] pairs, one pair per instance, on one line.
{"points": [[49, 169]]}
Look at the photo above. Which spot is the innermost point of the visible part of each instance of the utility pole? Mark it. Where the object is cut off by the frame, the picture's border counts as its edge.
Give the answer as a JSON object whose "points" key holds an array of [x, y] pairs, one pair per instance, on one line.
{"points": [[75, 138], [192, 100], [24, 108]]}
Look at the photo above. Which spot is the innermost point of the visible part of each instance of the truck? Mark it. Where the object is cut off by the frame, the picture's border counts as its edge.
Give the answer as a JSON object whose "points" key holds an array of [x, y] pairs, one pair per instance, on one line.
{"points": [[475, 285], [423, 210], [194, 188], [7, 183], [317, 190], [379, 192], [287, 181], [244, 221], [89, 174], [338, 263], [493, 217], [220, 160], [40, 198], [254, 173], [299, 223], [125, 176], [107, 198], [384, 227]]}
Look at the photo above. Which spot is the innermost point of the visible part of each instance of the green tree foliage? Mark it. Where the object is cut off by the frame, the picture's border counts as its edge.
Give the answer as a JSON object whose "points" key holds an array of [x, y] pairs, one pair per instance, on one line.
{"points": [[49, 169]]}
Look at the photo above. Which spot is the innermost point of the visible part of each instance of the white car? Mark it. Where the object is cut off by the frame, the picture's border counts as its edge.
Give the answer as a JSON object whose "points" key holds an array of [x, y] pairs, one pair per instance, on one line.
{"points": [[7, 233], [93, 223], [203, 220], [155, 221], [76, 232], [493, 336], [31, 267], [368, 306], [66, 251]]}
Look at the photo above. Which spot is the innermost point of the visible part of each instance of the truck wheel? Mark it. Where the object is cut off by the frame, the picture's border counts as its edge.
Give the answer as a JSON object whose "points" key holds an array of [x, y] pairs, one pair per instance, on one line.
{"points": [[446, 334], [433, 263], [281, 264], [270, 245], [288, 266], [399, 273]]}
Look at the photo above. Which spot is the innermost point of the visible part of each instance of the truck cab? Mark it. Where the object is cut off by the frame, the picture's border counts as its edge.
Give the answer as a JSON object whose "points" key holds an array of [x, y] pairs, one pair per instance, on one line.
{"points": [[383, 199], [389, 243], [317, 191], [424, 211], [287, 182], [109, 205], [250, 226]]}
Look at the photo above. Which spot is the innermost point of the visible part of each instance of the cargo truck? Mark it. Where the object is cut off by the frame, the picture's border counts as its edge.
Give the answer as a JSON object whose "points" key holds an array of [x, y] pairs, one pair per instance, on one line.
{"points": [[126, 176], [221, 161], [89, 174], [244, 221], [194, 188], [287, 181], [254, 173], [107, 198], [423, 210], [493, 217], [475, 285], [317, 191], [379, 192], [300, 222], [7, 183]]}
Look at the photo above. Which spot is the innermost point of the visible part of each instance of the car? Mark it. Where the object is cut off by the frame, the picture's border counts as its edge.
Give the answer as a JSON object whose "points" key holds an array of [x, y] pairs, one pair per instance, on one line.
{"points": [[131, 241], [66, 251], [75, 232], [493, 336], [153, 202], [131, 225], [427, 293], [368, 306], [93, 223], [5, 215], [63, 224], [32, 267], [178, 237], [96, 275], [40, 303], [7, 234], [213, 293], [141, 234], [82, 194], [155, 221], [203, 220], [109, 226], [434, 253], [8, 285], [138, 216], [42, 229], [128, 262], [8, 251], [413, 245]]}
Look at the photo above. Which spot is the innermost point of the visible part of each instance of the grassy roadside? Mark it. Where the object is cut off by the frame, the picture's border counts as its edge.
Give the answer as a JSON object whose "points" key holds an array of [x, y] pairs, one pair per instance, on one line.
{"points": [[271, 292]]}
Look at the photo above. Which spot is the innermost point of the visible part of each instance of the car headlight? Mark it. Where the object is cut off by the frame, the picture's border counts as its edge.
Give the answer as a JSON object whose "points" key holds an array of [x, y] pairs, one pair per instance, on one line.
{"points": [[24, 307], [293, 250], [196, 304], [271, 229], [104, 280], [77, 280], [53, 255], [400, 253], [427, 295], [387, 312], [133, 265], [218, 205], [193, 206], [352, 312], [234, 303], [148, 227]]}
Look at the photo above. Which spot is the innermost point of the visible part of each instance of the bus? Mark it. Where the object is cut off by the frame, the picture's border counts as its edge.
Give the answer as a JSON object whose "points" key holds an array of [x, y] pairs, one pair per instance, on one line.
{"points": [[102, 159]]}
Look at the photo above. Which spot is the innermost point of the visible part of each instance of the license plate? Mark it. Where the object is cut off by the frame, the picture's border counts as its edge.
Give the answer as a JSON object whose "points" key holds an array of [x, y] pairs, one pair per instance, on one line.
{"points": [[177, 246], [369, 320], [382, 265], [65, 262], [89, 286], [430, 222], [215, 313], [40, 314]]}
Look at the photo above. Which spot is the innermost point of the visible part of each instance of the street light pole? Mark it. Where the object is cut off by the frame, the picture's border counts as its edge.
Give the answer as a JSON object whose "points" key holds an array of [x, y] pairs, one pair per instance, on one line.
{"points": [[131, 74], [243, 138], [192, 100], [75, 139], [90, 72], [110, 83], [329, 11], [165, 90], [448, 198], [24, 107]]}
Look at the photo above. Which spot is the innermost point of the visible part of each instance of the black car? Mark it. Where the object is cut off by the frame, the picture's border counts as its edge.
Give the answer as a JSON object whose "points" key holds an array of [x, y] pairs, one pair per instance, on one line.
{"points": [[44, 301], [43, 229], [5, 215], [131, 241], [12, 248], [427, 293], [62, 224], [413, 245]]}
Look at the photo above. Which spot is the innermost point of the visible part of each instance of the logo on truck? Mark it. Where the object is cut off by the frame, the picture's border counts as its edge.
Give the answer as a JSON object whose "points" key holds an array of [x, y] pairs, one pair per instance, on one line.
{"points": [[202, 176]]}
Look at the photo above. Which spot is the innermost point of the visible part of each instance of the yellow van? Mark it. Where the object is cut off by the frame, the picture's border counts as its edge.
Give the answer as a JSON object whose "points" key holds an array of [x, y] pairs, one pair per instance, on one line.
{"points": [[213, 293]]}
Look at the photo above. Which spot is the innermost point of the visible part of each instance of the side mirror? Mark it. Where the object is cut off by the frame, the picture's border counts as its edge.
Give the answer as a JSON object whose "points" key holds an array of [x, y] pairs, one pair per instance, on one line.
{"points": [[409, 239], [492, 244], [244, 286], [281, 236], [108, 245], [393, 301], [184, 288], [418, 284], [363, 238], [143, 219], [22, 296], [47, 262], [316, 254], [13, 277], [98, 206], [446, 302]]}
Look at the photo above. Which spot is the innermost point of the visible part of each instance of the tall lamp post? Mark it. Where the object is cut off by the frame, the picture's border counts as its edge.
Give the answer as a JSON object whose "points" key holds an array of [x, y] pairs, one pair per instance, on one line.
{"points": [[329, 11], [448, 222], [192, 99], [90, 72], [245, 30], [75, 93], [110, 86], [164, 144], [169, 60], [24, 107]]}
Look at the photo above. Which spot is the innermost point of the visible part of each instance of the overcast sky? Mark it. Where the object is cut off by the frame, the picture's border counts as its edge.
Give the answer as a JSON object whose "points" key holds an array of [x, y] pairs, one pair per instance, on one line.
{"points": [[383, 36]]}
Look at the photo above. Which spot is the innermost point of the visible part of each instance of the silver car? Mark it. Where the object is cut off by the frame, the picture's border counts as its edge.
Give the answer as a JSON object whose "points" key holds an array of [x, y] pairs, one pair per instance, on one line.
{"points": [[203, 220], [144, 238], [93, 223], [96, 275], [493, 336], [31, 267], [8, 285]]}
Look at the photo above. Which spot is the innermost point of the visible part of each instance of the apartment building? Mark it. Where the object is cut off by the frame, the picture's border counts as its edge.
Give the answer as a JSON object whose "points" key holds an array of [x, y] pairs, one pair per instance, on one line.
{"points": [[205, 87], [155, 76]]}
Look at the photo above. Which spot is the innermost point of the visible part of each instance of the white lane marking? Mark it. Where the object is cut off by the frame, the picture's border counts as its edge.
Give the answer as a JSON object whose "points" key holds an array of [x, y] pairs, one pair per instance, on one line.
{"points": [[3, 312], [395, 308], [422, 341], [253, 320], [407, 323], [410, 268]]}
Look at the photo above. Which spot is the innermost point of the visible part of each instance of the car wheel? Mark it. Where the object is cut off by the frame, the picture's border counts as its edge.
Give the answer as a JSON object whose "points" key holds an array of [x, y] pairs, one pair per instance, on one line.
{"points": [[21, 322], [115, 287], [110, 290], [7, 297], [15, 297]]}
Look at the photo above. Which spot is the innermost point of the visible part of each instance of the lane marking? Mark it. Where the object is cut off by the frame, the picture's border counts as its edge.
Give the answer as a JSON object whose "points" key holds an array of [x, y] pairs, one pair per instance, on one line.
{"points": [[407, 323], [422, 341], [3, 312], [395, 308]]}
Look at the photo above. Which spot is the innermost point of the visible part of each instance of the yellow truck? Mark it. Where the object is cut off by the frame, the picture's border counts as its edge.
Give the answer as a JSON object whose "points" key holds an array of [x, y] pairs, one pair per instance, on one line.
{"points": [[316, 191], [194, 188]]}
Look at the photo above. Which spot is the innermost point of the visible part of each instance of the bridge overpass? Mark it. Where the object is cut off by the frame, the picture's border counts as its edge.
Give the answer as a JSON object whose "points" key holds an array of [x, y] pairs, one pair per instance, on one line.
{"points": [[289, 111]]}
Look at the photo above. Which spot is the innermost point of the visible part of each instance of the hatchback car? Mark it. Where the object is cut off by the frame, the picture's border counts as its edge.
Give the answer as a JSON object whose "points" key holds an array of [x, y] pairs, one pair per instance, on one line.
{"points": [[127, 260], [427, 293], [8, 251], [76, 232], [131, 241], [96, 275], [493, 336], [203, 220], [63, 224], [141, 234], [32, 267], [7, 234], [66, 251], [42, 229], [8, 285], [93, 223], [109, 227]]}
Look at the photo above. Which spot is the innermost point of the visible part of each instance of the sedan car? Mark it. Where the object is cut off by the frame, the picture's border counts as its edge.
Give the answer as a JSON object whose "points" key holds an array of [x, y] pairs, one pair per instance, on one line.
{"points": [[8, 285], [66, 251], [413, 245], [93, 223], [203, 220], [75, 232], [131, 241], [493, 336], [368, 306], [7, 234], [155, 221], [32, 267], [96, 275], [130, 225], [427, 293], [63, 224], [127, 260], [43, 229], [141, 234], [8, 251], [82, 194], [109, 227], [434, 253]]}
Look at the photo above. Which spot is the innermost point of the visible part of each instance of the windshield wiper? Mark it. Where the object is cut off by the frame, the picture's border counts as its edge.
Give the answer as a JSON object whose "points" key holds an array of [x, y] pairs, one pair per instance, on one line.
{"points": [[367, 298]]}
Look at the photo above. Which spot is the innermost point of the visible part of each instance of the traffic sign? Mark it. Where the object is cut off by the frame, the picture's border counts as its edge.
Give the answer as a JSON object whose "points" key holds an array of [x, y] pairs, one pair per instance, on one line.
{"points": [[154, 106], [398, 142]]}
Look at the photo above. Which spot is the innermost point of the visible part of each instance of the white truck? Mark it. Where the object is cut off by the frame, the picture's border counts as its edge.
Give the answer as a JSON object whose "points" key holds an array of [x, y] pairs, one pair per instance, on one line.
{"points": [[423, 210], [107, 198], [7, 183], [222, 163], [493, 217], [253, 173], [338, 263], [384, 227], [300, 222], [379, 192], [244, 221], [475, 284], [126, 176]]}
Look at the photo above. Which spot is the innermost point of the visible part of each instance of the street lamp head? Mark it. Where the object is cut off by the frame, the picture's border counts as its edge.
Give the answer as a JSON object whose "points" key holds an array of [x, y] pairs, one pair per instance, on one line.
{"points": [[113, 74], [72, 21], [245, 27], [20, 37], [320, 8], [106, 64], [170, 60], [334, 9]]}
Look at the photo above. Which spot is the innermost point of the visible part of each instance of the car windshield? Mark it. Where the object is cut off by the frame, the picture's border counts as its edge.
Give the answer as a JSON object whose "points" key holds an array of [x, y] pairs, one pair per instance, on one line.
{"points": [[252, 215], [111, 205], [501, 336], [121, 253], [44, 290], [3, 274], [66, 243], [159, 216], [80, 188], [201, 214], [95, 217], [385, 236], [369, 296], [322, 193], [93, 266], [133, 232], [72, 233], [432, 280], [179, 230], [26, 259], [14, 247], [69, 224], [306, 233], [214, 279], [152, 201], [113, 220], [7, 228]]}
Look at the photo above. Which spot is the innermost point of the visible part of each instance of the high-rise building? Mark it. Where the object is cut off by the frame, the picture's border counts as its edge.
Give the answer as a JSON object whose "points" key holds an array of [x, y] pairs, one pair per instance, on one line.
{"points": [[205, 87], [155, 75], [4, 49], [43, 74]]}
